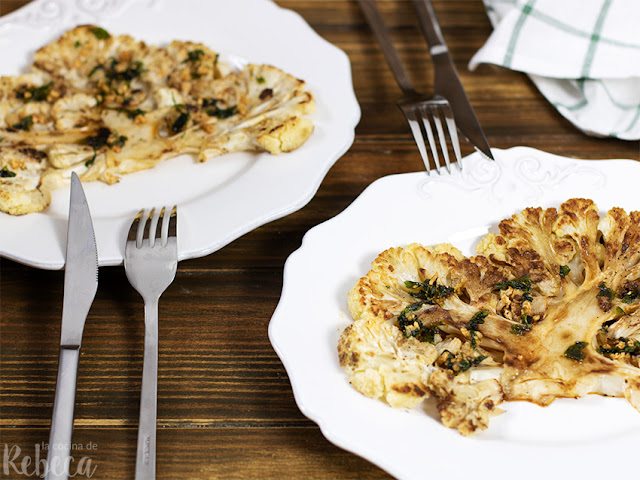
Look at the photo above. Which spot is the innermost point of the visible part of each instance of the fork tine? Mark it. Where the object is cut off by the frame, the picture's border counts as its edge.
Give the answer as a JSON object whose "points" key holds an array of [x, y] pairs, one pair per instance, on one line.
{"points": [[143, 228], [453, 132], [426, 116], [437, 120], [160, 227], [153, 227], [161, 233], [414, 124], [173, 222], [133, 230], [168, 228]]}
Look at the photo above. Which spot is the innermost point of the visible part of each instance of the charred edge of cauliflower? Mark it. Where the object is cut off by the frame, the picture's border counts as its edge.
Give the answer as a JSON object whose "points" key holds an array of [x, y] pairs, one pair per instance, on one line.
{"points": [[550, 307]]}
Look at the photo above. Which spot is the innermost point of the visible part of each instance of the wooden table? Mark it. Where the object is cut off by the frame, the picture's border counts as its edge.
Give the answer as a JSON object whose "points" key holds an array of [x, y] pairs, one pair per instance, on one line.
{"points": [[225, 404]]}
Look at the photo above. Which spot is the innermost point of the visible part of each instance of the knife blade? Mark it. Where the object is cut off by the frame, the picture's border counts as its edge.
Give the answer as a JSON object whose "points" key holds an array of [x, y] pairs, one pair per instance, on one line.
{"points": [[447, 82], [80, 287]]}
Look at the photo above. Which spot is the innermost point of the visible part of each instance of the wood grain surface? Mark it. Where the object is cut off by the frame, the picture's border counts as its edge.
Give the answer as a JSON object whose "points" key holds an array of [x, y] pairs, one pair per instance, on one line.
{"points": [[225, 404]]}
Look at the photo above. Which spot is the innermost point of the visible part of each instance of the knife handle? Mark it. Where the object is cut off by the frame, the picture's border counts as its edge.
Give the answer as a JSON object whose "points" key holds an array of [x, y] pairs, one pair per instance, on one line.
{"points": [[59, 454], [430, 27]]}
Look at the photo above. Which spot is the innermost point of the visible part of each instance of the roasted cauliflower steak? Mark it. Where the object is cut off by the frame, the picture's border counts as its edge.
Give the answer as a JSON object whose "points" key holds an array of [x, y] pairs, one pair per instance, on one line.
{"points": [[104, 106], [547, 309]]}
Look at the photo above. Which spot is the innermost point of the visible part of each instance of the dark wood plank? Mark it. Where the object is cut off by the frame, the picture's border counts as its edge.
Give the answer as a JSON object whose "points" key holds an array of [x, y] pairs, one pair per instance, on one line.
{"points": [[198, 454], [8, 6]]}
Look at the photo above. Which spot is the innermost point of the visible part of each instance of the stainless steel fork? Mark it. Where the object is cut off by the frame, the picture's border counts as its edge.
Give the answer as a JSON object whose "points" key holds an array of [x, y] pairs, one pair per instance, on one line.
{"points": [[426, 115], [150, 262]]}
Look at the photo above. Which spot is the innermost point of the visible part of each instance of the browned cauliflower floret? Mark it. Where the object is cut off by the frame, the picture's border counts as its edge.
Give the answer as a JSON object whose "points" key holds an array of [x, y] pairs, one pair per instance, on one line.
{"points": [[20, 188], [549, 308], [382, 363], [463, 405]]}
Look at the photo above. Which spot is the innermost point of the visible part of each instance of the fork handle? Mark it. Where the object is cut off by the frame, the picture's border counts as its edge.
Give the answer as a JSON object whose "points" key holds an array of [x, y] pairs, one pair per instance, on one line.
{"points": [[146, 454], [373, 17]]}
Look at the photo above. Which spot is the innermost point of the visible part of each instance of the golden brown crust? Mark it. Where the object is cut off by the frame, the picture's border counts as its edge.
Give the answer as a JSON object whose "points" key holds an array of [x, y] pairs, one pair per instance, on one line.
{"points": [[548, 309]]}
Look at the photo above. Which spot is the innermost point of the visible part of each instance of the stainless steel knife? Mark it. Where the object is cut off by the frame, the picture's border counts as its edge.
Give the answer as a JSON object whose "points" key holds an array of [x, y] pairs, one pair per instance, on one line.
{"points": [[447, 82], [80, 286]]}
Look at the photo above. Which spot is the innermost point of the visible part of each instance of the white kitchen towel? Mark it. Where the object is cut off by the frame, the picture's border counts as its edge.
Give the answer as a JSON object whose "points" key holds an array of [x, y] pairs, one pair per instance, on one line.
{"points": [[583, 55]]}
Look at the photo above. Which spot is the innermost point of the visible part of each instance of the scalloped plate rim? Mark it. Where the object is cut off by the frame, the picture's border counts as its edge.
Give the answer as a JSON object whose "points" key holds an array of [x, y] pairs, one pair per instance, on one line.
{"points": [[336, 121]]}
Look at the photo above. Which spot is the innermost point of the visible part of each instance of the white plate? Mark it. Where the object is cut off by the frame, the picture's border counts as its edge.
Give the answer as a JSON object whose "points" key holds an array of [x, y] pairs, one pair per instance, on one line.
{"points": [[580, 438], [219, 200]]}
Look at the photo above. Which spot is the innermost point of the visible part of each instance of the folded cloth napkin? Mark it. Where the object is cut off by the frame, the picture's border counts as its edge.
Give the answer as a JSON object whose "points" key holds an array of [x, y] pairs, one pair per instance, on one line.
{"points": [[583, 55]]}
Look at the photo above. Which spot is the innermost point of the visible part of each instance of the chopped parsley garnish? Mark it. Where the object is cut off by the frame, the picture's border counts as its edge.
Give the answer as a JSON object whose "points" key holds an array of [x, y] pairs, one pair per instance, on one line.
{"points": [[132, 71], [36, 94], [564, 271], [24, 124], [260, 80], [629, 292], [77, 44], [619, 312], [6, 173], [477, 319], [622, 345], [466, 364], [97, 142], [472, 326], [194, 56], [458, 363], [413, 307], [630, 296], [606, 292], [180, 123], [102, 139], [523, 327], [574, 352], [95, 69], [520, 329], [131, 112], [118, 141], [211, 108], [427, 291], [411, 326], [114, 72], [523, 284], [100, 33]]}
